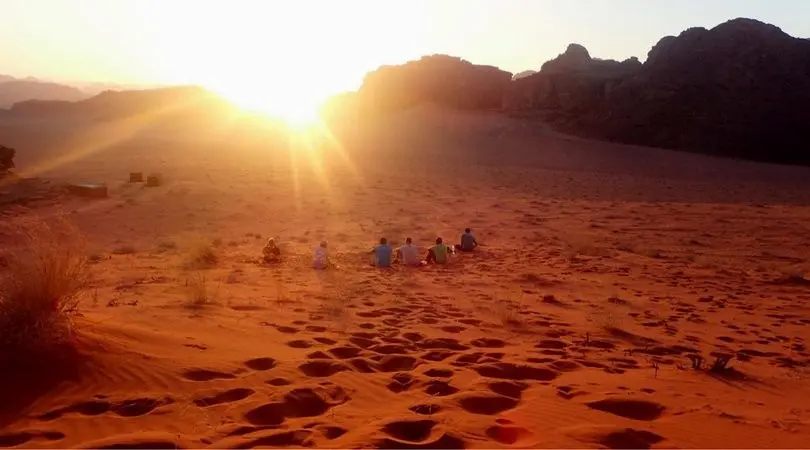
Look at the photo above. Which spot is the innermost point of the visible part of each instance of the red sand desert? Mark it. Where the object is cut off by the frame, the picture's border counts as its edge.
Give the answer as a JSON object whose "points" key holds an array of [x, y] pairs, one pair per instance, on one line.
{"points": [[602, 268]]}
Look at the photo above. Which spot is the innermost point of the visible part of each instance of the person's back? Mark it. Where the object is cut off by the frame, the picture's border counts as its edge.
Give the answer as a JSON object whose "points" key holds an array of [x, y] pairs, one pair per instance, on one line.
{"points": [[382, 254], [320, 259], [468, 242], [271, 252], [409, 254], [441, 253]]}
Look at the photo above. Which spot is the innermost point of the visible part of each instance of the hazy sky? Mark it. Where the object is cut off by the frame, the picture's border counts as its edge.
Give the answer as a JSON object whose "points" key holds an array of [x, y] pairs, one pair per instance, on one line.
{"points": [[327, 45]]}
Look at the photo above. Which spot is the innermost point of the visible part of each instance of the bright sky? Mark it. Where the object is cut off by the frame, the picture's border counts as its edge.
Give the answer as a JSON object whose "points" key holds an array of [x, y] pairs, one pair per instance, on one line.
{"points": [[312, 48]]}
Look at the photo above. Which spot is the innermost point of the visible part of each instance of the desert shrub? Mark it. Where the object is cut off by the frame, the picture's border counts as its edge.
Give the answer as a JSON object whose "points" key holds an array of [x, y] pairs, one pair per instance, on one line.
{"points": [[608, 319], [42, 286], [199, 294], [201, 255], [508, 310]]}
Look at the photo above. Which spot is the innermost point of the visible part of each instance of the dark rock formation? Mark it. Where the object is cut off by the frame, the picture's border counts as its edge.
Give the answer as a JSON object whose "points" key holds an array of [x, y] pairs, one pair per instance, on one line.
{"points": [[440, 79], [741, 89], [570, 85], [6, 159]]}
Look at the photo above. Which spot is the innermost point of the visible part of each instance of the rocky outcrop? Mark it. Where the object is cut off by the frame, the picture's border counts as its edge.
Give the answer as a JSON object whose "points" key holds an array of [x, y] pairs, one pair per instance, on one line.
{"points": [[6, 159], [571, 84], [741, 89], [438, 79], [523, 74]]}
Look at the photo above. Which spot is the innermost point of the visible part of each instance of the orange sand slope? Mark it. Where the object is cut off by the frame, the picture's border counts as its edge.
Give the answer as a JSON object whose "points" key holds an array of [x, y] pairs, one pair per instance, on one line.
{"points": [[602, 268]]}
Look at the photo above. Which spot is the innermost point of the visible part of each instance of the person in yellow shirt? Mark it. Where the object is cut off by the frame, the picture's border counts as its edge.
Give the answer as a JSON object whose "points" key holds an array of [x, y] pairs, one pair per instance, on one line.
{"points": [[439, 253]]}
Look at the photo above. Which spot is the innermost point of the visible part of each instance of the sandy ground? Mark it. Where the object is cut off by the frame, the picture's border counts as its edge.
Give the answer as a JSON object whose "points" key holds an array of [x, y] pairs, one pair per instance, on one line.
{"points": [[602, 267]]}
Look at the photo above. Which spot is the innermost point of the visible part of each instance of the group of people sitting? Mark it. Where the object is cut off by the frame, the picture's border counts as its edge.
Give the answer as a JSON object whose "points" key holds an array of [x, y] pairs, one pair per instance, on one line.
{"points": [[384, 255]]}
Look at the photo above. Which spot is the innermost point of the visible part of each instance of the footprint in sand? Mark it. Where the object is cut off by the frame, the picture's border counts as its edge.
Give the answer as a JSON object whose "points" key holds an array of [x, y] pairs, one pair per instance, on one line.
{"points": [[278, 382], [299, 343], [206, 375], [488, 343], [389, 349], [426, 409], [401, 382], [331, 432], [508, 435], [509, 371], [345, 352], [362, 342], [20, 438], [397, 363], [569, 392], [320, 368], [439, 373], [416, 434], [616, 437], [299, 402], [513, 389], [124, 408], [294, 438], [486, 404], [437, 355], [229, 396], [414, 337], [144, 439], [441, 344], [555, 344], [260, 364], [436, 388], [630, 408], [410, 430]]}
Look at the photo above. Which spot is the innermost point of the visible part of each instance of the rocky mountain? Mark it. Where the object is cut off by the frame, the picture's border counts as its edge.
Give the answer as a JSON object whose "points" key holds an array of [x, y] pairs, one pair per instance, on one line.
{"points": [[14, 90], [439, 79], [741, 89], [523, 74]]}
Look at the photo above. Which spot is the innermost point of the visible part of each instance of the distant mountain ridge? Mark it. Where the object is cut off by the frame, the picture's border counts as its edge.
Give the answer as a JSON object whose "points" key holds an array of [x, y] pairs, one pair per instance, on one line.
{"points": [[13, 90], [740, 89]]}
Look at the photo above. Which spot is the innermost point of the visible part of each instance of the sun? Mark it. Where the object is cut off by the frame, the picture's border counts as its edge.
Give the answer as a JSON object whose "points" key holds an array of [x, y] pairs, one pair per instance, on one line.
{"points": [[295, 107]]}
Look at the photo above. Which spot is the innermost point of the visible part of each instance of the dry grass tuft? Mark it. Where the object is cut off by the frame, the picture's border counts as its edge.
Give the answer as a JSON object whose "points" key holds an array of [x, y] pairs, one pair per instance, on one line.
{"points": [[609, 319], [199, 295], [509, 311], [42, 286], [201, 255]]}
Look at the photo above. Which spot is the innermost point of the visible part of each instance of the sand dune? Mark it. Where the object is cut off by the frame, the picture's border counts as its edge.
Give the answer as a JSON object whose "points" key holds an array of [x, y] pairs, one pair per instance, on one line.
{"points": [[602, 269]]}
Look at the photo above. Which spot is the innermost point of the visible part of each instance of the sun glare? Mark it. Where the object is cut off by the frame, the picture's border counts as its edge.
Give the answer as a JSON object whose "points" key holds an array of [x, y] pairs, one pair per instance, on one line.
{"points": [[298, 110]]}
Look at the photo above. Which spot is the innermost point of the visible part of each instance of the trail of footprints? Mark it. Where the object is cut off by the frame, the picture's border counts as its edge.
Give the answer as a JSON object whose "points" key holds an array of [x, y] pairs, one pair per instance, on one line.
{"points": [[409, 357]]}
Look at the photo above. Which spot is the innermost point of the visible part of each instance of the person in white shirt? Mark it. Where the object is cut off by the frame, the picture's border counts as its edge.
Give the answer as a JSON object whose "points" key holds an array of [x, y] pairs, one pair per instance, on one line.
{"points": [[409, 254], [320, 259]]}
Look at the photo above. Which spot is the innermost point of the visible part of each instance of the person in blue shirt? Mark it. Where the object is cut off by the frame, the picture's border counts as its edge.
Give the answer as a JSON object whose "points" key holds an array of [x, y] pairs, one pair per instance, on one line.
{"points": [[382, 254], [468, 242]]}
